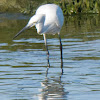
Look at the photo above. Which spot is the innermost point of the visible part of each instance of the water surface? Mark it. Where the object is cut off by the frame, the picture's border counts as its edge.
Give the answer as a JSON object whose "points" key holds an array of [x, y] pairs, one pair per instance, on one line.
{"points": [[23, 61]]}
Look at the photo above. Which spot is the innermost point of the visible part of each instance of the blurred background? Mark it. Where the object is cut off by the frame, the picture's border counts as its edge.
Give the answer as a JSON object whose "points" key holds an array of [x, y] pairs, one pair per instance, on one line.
{"points": [[23, 61]]}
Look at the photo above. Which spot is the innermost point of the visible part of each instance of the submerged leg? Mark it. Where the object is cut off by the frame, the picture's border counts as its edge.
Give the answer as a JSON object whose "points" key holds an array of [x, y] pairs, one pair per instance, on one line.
{"points": [[45, 40], [61, 52]]}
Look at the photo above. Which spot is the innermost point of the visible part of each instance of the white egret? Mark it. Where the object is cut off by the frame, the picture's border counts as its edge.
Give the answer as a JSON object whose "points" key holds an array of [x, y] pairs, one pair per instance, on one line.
{"points": [[48, 19]]}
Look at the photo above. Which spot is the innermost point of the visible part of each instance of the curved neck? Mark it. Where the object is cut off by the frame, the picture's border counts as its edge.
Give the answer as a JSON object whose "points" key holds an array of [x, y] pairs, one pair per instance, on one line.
{"points": [[40, 23]]}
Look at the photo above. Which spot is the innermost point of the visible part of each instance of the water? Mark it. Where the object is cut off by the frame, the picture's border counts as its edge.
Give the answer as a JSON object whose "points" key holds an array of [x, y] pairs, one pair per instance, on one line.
{"points": [[23, 61]]}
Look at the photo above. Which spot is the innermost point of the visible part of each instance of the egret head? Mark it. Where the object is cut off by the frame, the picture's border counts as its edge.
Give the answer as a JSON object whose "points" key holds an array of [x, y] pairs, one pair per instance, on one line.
{"points": [[36, 19], [30, 24]]}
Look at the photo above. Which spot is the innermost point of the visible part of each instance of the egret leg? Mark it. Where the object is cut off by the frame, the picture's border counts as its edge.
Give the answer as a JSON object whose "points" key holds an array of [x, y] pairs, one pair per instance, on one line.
{"points": [[45, 40], [61, 52]]}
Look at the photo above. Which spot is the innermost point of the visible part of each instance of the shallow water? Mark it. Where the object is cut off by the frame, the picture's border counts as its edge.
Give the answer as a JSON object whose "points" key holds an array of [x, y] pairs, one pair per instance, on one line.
{"points": [[23, 61]]}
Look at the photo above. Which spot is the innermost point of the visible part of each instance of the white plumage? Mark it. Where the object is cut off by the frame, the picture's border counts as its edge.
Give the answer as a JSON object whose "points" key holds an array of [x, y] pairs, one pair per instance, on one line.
{"points": [[48, 19]]}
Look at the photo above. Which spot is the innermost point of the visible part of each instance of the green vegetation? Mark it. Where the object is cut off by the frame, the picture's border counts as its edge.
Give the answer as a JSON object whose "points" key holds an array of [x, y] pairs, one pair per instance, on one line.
{"points": [[21, 6], [69, 7], [79, 6]]}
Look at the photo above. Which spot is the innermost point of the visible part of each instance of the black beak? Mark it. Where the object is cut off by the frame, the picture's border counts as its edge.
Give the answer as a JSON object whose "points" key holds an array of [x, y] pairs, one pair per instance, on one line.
{"points": [[25, 28]]}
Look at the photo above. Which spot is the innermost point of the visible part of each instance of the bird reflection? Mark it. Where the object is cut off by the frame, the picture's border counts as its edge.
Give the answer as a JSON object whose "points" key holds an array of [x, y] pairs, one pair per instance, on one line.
{"points": [[52, 89], [48, 66]]}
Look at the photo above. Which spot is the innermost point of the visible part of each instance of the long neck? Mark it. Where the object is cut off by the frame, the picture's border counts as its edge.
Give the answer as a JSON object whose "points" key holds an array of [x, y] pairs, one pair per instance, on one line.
{"points": [[40, 23]]}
